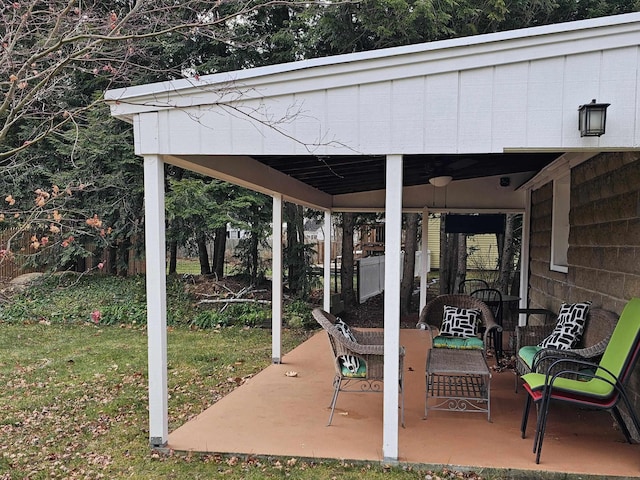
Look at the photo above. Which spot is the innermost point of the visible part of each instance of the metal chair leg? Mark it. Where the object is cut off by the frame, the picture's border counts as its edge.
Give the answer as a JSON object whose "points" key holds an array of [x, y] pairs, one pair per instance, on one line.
{"points": [[402, 403], [337, 382], [525, 416], [543, 413]]}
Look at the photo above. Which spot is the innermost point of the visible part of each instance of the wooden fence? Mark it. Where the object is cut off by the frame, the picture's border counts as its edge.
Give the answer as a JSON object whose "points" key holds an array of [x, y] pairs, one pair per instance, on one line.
{"points": [[12, 266]]}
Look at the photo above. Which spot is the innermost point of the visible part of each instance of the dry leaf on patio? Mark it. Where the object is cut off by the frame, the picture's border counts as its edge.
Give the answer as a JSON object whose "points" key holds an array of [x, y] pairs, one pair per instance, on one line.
{"points": [[291, 373]]}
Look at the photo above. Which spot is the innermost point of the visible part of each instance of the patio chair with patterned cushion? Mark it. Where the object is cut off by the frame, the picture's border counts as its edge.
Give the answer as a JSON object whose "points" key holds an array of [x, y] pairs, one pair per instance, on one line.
{"points": [[600, 385], [458, 321], [535, 344], [358, 358]]}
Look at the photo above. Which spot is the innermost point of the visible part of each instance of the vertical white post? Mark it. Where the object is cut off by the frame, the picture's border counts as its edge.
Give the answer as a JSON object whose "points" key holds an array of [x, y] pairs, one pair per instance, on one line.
{"points": [[326, 298], [524, 256], [393, 269], [156, 299], [276, 282], [424, 258]]}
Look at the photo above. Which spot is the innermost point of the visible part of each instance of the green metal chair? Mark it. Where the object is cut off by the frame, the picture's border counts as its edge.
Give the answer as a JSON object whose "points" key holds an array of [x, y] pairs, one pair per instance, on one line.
{"points": [[600, 386]]}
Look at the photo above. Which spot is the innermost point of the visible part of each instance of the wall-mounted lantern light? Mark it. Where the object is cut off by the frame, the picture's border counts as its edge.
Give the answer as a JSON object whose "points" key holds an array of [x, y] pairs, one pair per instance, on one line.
{"points": [[592, 118], [440, 181]]}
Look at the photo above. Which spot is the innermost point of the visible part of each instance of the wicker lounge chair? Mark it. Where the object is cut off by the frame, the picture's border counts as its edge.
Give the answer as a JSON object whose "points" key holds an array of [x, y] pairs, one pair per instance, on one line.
{"points": [[359, 364], [432, 315], [597, 332]]}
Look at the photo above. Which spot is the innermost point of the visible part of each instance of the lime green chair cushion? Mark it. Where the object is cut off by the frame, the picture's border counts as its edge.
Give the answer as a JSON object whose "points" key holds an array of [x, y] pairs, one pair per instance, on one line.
{"points": [[458, 343], [527, 353], [593, 387]]}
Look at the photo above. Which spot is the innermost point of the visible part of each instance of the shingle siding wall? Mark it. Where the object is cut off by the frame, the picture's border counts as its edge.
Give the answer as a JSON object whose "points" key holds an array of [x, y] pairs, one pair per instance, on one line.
{"points": [[604, 239]]}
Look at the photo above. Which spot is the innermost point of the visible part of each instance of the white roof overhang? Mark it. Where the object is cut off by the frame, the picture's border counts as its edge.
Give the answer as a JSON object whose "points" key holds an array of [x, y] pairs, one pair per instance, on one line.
{"points": [[515, 91]]}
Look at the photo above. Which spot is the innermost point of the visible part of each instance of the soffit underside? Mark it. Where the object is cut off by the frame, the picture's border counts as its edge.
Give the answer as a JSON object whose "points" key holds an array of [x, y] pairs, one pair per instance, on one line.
{"points": [[342, 174]]}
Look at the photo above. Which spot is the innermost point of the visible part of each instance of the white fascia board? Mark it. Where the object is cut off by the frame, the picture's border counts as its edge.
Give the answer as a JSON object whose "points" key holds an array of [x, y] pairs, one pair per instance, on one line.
{"points": [[249, 173], [380, 65]]}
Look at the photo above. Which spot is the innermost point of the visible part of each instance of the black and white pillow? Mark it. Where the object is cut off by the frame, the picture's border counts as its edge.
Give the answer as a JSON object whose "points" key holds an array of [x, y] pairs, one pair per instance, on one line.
{"points": [[568, 330], [460, 322], [351, 363], [345, 330]]}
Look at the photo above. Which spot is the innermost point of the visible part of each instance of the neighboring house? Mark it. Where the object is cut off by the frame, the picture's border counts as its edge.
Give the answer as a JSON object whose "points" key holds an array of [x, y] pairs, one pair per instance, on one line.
{"points": [[428, 128], [482, 248], [313, 231]]}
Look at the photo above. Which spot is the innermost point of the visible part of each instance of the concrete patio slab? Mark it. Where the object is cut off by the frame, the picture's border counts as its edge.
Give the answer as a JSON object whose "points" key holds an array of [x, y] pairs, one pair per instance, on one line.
{"points": [[275, 414]]}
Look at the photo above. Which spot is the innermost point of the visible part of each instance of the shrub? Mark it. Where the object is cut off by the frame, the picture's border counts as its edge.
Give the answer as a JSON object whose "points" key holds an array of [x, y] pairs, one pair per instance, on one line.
{"points": [[297, 314], [100, 299]]}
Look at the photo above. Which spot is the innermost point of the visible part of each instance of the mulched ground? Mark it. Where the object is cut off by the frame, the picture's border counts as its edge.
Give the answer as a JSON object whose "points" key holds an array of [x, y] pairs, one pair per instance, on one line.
{"points": [[370, 314]]}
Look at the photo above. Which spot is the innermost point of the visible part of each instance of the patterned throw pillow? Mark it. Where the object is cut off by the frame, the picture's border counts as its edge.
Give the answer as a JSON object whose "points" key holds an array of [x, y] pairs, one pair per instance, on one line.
{"points": [[460, 322], [345, 330], [350, 365], [568, 330]]}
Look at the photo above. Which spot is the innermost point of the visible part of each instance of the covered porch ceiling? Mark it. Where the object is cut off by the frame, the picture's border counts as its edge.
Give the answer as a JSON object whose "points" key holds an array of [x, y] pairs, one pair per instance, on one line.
{"points": [[344, 174]]}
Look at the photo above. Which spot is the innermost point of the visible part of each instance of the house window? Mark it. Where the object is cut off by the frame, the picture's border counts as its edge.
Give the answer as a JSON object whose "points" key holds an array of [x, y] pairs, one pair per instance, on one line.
{"points": [[560, 223]]}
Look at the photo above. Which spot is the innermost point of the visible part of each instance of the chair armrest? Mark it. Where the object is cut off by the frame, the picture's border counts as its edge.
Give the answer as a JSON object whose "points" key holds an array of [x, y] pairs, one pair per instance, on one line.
{"points": [[545, 357], [369, 343], [433, 331], [567, 367], [365, 337], [594, 350], [363, 349], [491, 328]]}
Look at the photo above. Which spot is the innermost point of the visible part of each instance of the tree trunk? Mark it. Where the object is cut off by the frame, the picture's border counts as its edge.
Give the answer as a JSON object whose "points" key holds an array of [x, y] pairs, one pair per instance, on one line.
{"points": [[346, 268], [113, 260], [219, 247], [445, 266], [461, 260], [125, 250], [453, 259], [254, 256], [410, 245], [203, 255], [507, 254], [81, 264], [173, 257], [295, 258], [177, 173]]}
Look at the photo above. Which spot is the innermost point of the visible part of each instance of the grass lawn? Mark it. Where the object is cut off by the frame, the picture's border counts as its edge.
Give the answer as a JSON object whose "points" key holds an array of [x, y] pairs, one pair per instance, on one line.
{"points": [[74, 396]]}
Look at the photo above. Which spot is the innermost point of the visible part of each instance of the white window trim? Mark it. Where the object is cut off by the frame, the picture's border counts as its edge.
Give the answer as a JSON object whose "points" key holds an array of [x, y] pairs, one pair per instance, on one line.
{"points": [[560, 223]]}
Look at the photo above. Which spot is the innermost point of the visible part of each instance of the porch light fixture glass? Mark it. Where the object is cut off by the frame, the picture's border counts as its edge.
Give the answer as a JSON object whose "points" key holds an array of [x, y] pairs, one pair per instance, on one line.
{"points": [[442, 181], [592, 118]]}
